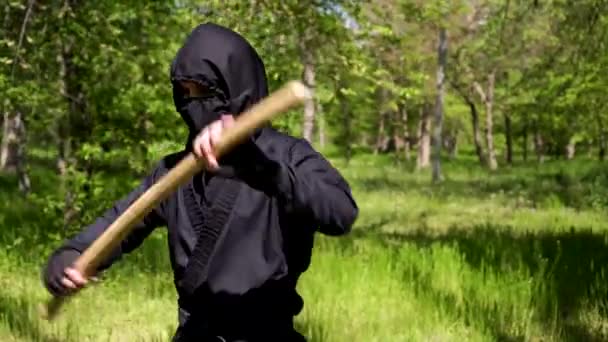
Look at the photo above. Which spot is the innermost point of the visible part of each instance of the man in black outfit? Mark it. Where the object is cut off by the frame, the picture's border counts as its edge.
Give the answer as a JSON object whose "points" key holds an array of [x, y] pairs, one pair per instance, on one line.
{"points": [[241, 234]]}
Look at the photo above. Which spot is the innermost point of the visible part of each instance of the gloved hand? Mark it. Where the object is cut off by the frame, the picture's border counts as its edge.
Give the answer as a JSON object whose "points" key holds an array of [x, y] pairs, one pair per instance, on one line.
{"points": [[58, 276]]}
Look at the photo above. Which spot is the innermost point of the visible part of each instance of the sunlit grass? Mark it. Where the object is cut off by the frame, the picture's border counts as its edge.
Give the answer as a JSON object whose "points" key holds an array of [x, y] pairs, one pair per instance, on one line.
{"points": [[517, 255]]}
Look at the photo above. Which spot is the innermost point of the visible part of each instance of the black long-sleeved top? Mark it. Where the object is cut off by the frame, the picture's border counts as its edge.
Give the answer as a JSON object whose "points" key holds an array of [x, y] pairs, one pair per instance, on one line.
{"points": [[262, 209], [289, 192]]}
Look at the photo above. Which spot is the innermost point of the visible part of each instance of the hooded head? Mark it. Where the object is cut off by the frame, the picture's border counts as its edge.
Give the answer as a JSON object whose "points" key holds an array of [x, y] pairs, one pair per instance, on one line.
{"points": [[230, 72]]}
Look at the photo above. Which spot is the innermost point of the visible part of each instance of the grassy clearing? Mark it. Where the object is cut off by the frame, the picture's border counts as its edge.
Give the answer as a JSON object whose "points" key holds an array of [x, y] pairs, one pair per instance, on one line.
{"points": [[519, 255]]}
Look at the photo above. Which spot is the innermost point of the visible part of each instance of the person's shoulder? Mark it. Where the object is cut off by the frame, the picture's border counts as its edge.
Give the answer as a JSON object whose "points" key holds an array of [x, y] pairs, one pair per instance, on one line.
{"points": [[169, 161], [166, 163], [285, 141], [289, 147]]}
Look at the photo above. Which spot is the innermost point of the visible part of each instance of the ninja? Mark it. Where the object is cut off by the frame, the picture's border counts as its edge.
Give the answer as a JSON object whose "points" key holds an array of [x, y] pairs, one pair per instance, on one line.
{"points": [[241, 234]]}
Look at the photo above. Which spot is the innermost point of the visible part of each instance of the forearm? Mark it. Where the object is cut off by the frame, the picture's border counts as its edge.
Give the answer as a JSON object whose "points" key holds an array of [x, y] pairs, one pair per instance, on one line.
{"points": [[84, 239], [65, 256], [92, 232]]}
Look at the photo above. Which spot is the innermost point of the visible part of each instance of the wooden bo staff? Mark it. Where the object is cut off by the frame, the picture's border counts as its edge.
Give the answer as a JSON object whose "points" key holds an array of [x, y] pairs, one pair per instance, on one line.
{"points": [[290, 95]]}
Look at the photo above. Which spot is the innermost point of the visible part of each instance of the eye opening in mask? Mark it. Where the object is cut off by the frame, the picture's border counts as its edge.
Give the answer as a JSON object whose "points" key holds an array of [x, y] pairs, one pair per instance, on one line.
{"points": [[192, 90]]}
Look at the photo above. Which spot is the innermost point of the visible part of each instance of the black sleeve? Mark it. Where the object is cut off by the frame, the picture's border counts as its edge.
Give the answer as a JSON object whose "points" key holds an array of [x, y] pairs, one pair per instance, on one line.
{"points": [[135, 238], [307, 185]]}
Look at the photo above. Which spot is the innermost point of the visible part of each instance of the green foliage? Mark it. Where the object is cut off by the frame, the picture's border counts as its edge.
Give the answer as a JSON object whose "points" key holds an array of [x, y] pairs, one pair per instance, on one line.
{"points": [[92, 82]]}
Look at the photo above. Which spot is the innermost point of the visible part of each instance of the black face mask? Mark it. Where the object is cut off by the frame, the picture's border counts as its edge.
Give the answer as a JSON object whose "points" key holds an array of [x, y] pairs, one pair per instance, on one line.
{"points": [[200, 112]]}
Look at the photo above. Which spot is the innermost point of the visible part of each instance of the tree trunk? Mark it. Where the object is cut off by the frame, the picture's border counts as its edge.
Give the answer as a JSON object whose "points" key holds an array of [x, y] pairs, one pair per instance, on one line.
{"points": [[13, 149], [539, 147], [65, 161], [509, 139], [7, 16], [490, 122], [321, 126], [454, 146], [601, 138], [487, 98], [474, 117], [382, 138], [397, 134], [406, 132], [438, 123], [570, 149], [524, 147], [474, 122], [424, 138], [309, 79], [10, 143], [143, 126], [345, 110], [477, 133]]}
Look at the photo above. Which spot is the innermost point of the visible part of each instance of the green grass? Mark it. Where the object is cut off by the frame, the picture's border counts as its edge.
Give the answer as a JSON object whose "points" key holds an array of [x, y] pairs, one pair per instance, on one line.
{"points": [[518, 255]]}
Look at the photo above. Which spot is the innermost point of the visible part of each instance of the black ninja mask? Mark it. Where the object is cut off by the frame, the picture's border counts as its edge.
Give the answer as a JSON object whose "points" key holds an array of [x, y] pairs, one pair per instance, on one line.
{"points": [[227, 67], [199, 111]]}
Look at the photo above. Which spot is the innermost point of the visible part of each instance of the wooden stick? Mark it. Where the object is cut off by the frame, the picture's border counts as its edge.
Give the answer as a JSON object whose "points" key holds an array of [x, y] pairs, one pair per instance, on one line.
{"points": [[293, 93]]}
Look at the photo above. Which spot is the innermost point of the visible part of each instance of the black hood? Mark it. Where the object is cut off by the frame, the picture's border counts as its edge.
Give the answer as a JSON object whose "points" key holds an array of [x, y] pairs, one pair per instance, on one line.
{"points": [[223, 61]]}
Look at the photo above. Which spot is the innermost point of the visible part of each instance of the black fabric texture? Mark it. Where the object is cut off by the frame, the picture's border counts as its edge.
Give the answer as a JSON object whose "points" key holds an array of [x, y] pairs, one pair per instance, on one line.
{"points": [[207, 221], [262, 238], [54, 271]]}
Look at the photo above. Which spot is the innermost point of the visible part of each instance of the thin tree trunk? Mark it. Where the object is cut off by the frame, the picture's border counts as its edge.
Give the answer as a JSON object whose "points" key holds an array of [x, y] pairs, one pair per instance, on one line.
{"points": [[345, 110], [8, 151], [601, 138], [253, 6], [488, 98], [13, 149], [454, 146], [570, 149], [309, 79], [509, 139], [28, 13], [477, 133], [65, 160], [492, 164], [397, 134], [381, 138], [321, 126], [539, 146], [11, 141], [23, 178], [406, 132], [7, 16], [143, 128], [474, 122], [424, 138], [438, 123], [525, 142]]}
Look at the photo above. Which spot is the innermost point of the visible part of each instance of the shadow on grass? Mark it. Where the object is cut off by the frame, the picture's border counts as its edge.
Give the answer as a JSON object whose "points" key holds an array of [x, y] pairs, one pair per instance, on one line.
{"points": [[555, 185], [571, 269], [578, 184]]}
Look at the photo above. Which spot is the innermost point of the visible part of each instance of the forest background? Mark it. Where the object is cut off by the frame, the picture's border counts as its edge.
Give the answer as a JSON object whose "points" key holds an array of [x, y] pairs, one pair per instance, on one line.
{"points": [[474, 134]]}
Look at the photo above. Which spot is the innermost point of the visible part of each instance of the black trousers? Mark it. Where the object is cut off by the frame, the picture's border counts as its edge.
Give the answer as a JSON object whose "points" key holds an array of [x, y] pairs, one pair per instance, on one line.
{"points": [[205, 329]]}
